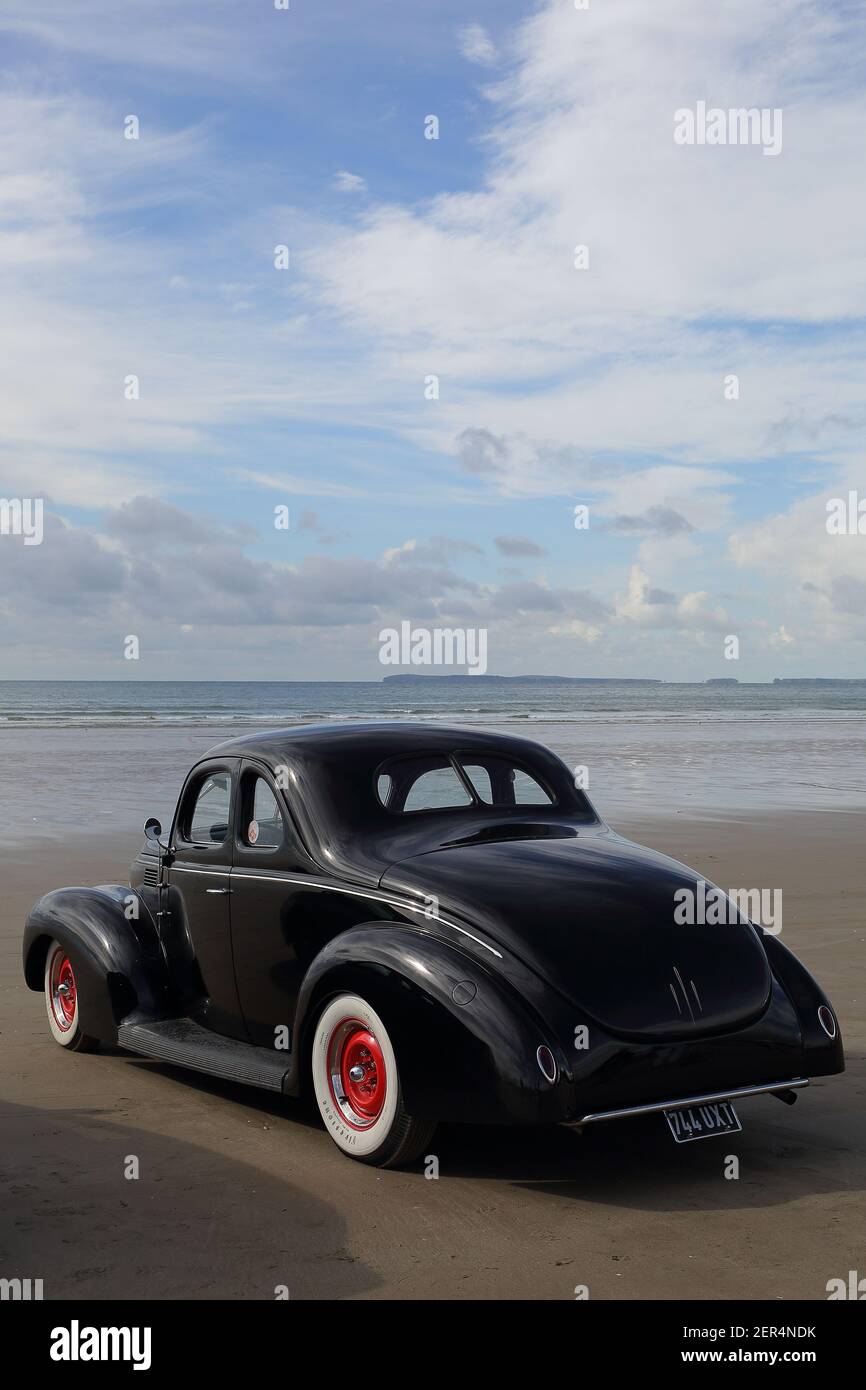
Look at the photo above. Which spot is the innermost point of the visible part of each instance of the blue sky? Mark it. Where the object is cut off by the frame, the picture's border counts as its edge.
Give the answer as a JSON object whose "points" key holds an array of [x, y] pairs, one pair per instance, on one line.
{"points": [[410, 258]]}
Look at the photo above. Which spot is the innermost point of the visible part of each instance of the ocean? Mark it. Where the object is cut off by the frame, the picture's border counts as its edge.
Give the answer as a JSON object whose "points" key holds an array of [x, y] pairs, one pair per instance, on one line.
{"points": [[53, 704], [100, 755]]}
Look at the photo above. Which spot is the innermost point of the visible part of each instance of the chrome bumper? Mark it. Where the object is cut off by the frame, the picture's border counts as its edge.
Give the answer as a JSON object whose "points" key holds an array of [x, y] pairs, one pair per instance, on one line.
{"points": [[688, 1102]]}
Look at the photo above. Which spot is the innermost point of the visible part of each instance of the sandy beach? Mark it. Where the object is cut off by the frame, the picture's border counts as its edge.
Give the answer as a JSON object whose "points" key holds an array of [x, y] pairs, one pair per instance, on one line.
{"points": [[240, 1192]]}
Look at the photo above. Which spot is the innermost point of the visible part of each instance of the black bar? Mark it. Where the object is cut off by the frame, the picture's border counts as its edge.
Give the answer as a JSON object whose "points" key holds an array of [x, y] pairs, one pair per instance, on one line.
{"points": [[254, 1339]]}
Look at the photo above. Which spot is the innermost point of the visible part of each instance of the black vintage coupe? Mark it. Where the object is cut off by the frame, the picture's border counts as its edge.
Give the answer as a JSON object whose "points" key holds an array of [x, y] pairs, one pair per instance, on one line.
{"points": [[422, 924]]}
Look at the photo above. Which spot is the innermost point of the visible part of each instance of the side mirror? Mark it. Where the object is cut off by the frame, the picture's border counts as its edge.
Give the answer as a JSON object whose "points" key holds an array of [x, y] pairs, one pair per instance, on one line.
{"points": [[152, 829]]}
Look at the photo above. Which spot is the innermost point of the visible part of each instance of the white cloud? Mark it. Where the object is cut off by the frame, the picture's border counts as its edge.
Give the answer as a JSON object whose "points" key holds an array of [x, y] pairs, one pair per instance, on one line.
{"points": [[585, 632], [821, 576], [650, 607], [694, 252], [781, 639], [161, 34], [290, 483], [476, 45], [584, 374], [344, 182], [603, 385], [395, 553]]}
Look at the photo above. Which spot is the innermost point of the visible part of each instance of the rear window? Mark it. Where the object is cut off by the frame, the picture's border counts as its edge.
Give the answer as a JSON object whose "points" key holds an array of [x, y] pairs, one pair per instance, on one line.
{"points": [[436, 782], [421, 784], [499, 783]]}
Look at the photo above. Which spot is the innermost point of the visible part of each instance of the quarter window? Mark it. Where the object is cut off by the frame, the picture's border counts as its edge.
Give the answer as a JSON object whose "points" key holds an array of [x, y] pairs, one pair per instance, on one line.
{"points": [[264, 823]]}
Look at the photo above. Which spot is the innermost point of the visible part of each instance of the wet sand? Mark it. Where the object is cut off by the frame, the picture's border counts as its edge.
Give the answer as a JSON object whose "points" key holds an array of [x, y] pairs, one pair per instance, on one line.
{"points": [[240, 1192]]}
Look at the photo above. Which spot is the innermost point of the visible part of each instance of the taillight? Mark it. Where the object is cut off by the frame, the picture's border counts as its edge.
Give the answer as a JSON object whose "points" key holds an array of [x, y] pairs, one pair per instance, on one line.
{"points": [[547, 1063], [827, 1021]]}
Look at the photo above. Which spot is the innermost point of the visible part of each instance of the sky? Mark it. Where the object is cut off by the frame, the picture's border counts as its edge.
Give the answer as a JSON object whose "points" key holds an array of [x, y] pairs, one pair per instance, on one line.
{"points": [[436, 379]]}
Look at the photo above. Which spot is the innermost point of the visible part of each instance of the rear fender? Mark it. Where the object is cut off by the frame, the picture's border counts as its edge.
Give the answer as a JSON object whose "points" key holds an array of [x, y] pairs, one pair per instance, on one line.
{"points": [[822, 1056], [112, 940], [472, 1061]]}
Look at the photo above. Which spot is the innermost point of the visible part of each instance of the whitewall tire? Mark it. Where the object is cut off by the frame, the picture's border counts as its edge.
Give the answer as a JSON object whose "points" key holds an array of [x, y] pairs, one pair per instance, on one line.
{"points": [[61, 1001], [357, 1086]]}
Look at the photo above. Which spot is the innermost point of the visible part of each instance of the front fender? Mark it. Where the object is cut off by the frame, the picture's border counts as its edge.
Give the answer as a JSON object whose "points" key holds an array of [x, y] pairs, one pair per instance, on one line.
{"points": [[115, 950], [465, 1044]]}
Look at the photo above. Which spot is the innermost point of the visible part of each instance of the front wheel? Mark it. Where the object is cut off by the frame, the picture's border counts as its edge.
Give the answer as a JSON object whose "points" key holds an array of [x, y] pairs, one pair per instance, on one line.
{"points": [[61, 1002], [357, 1086]]}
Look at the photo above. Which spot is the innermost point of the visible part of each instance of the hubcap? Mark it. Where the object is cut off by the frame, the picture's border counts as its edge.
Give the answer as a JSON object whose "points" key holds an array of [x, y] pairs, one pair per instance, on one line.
{"points": [[356, 1071], [63, 992]]}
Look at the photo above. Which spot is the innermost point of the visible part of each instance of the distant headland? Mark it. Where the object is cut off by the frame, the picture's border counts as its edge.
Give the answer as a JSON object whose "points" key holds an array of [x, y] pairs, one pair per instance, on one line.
{"points": [[411, 678]]}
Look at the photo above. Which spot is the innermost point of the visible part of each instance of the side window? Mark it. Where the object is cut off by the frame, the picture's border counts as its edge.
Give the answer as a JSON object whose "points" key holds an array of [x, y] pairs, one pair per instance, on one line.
{"points": [[262, 826], [209, 821], [527, 792]]}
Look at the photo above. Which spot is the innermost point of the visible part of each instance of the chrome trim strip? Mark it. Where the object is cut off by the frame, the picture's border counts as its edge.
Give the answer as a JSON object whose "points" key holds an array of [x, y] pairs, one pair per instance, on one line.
{"points": [[685, 994], [192, 869], [332, 888], [739, 1093]]}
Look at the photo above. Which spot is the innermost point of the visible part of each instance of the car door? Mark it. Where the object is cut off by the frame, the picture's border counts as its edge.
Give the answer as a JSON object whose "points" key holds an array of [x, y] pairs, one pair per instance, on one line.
{"points": [[276, 913], [199, 879]]}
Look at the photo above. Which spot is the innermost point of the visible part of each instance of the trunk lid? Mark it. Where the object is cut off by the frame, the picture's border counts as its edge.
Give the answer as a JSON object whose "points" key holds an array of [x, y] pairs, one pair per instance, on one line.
{"points": [[593, 915]]}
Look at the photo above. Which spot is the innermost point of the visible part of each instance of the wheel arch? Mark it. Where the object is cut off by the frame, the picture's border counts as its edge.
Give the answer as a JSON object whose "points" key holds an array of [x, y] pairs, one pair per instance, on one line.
{"points": [[472, 1061], [115, 948]]}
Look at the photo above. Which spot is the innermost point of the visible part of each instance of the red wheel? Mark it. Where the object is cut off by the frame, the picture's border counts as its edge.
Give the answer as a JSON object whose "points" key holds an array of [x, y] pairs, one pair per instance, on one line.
{"points": [[357, 1073], [63, 992], [62, 1002]]}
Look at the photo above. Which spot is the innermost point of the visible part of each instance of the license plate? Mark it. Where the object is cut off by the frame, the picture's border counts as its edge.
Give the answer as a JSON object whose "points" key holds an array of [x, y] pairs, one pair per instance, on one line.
{"points": [[703, 1121]]}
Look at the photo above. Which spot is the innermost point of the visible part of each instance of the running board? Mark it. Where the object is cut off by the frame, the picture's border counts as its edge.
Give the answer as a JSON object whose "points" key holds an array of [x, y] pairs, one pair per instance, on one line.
{"points": [[688, 1102], [185, 1043]]}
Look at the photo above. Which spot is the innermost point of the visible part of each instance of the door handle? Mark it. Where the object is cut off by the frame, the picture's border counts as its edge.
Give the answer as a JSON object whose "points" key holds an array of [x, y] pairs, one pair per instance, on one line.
{"points": [[217, 890]]}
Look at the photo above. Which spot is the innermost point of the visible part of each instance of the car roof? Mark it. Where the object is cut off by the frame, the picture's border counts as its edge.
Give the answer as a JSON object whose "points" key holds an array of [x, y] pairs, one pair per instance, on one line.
{"points": [[333, 798], [379, 737]]}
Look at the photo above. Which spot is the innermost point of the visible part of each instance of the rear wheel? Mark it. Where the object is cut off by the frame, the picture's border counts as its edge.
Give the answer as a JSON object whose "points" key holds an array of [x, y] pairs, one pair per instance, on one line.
{"points": [[61, 1001], [357, 1086]]}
